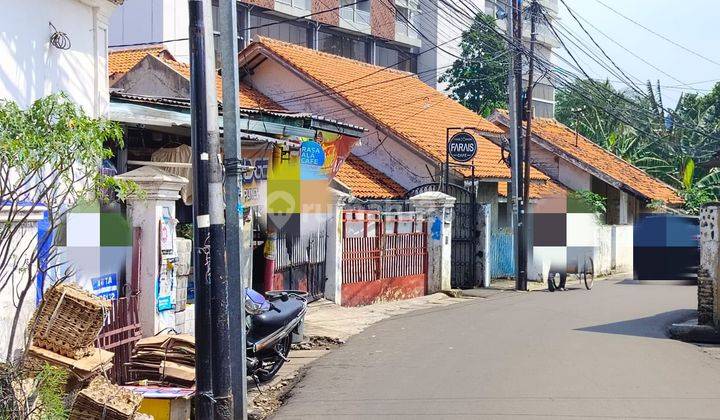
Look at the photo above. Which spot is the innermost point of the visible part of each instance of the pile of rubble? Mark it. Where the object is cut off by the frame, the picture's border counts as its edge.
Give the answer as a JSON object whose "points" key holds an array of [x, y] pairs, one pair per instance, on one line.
{"points": [[63, 333]]}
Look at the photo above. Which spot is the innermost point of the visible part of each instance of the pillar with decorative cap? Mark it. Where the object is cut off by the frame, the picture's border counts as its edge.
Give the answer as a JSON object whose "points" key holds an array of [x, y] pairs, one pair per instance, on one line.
{"points": [[333, 258], [159, 192], [437, 208], [709, 272]]}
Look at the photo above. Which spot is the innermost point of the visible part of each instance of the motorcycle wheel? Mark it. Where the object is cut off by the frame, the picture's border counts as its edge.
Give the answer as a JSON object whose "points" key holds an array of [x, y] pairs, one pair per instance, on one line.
{"points": [[272, 364]]}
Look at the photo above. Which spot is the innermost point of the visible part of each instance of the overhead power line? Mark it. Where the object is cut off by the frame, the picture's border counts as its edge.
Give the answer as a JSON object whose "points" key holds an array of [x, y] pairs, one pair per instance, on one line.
{"points": [[677, 44]]}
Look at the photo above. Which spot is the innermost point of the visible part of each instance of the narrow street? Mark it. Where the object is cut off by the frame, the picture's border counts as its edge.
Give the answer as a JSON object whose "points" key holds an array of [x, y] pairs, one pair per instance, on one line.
{"points": [[573, 354]]}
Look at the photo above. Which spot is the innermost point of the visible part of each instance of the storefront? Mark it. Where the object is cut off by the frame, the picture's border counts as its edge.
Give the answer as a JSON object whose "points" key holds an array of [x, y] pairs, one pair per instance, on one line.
{"points": [[290, 160]]}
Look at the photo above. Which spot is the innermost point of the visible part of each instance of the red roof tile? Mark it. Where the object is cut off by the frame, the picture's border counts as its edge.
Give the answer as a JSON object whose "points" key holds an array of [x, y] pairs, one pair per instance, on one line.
{"points": [[547, 189], [395, 99], [559, 136], [366, 181], [122, 61]]}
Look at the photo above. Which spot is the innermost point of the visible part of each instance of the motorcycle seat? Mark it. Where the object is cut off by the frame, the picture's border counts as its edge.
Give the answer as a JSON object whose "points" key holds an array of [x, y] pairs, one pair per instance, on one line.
{"points": [[272, 320]]}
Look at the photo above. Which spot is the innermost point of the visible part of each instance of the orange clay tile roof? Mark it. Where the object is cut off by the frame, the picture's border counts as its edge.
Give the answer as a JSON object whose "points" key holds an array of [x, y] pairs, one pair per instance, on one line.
{"points": [[590, 154], [547, 189], [124, 60], [366, 181], [120, 61], [249, 97], [395, 99]]}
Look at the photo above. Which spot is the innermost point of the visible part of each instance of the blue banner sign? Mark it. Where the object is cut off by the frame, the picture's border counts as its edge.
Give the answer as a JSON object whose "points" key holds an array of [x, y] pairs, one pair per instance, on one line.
{"points": [[106, 286]]}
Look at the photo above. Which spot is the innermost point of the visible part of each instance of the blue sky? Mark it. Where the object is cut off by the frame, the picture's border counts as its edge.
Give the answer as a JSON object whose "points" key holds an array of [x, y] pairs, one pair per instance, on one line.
{"points": [[691, 23]]}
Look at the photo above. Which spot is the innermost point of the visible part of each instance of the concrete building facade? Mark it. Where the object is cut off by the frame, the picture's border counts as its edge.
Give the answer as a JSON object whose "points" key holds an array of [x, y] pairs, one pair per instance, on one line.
{"points": [[418, 36]]}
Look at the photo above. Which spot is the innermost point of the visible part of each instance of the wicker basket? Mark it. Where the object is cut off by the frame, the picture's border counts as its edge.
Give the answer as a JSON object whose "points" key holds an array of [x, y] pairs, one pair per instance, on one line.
{"points": [[69, 321]]}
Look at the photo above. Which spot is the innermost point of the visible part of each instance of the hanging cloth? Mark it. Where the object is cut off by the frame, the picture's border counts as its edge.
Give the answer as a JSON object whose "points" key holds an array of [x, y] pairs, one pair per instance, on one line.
{"points": [[180, 154]]}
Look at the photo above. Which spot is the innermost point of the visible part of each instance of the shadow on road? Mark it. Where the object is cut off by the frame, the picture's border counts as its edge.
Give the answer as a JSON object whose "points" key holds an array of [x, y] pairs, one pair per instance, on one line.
{"points": [[652, 326]]}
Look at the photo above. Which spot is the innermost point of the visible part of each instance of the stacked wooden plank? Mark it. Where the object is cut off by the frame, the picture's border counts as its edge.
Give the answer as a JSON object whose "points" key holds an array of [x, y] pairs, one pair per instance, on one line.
{"points": [[69, 321], [103, 400], [164, 360]]}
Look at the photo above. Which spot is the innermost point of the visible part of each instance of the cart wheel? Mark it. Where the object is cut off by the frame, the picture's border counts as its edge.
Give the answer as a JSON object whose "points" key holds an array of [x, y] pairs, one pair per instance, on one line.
{"points": [[551, 282], [589, 273]]}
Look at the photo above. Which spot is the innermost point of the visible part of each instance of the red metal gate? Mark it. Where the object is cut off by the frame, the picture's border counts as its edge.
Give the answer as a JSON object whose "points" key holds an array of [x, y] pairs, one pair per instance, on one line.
{"points": [[384, 257], [122, 327]]}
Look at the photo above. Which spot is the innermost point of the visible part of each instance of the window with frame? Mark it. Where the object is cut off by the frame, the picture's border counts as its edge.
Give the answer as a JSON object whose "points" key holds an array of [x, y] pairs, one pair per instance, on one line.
{"points": [[406, 17], [296, 4], [345, 46], [396, 58], [356, 11], [277, 29]]}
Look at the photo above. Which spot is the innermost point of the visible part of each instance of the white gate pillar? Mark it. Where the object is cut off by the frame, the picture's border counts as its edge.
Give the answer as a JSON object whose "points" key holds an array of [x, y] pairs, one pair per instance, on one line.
{"points": [[709, 273], [334, 252], [160, 191], [437, 209]]}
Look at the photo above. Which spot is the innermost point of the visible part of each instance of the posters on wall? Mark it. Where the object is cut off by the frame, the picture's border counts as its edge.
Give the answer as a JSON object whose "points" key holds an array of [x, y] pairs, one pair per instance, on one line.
{"points": [[165, 289]]}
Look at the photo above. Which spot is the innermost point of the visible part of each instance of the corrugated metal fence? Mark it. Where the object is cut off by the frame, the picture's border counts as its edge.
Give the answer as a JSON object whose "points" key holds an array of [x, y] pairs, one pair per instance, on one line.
{"points": [[501, 255]]}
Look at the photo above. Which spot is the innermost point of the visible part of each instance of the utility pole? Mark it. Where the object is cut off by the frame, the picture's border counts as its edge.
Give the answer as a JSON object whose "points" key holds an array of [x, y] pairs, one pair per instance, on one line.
{"points": [[234, 208], [515, 73], [528, 134], [201, 217], [521, 283], [221, 373]]}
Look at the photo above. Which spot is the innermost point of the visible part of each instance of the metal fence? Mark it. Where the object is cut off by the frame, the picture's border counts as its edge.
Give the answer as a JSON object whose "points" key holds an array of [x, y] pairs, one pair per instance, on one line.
{"points": [[300, 262], [378, 246], [122, 326]]}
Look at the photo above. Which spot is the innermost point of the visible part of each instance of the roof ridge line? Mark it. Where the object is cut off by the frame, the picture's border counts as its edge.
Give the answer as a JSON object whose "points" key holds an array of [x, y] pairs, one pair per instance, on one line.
{"points": [[264, 39]]}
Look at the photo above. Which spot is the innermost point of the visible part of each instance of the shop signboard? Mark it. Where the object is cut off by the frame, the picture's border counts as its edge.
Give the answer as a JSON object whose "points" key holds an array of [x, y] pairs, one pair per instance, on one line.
{"points": [[462, 147]]}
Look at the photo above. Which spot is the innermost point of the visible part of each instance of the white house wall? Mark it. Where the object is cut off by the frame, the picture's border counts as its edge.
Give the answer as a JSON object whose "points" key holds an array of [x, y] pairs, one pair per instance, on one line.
{"points": [[31, 68], [392, 158]]}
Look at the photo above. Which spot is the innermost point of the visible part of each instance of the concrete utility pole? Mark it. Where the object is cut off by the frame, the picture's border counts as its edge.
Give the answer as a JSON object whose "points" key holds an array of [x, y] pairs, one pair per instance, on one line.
{"points": [[521, 282], [528, 134], [234, 208], [201, 217], [221, 372], [513, 106]]}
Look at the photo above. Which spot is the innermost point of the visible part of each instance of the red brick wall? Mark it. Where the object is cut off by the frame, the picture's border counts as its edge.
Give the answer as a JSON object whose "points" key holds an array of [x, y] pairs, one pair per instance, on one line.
{"points": [[329, 18], [383, 18], [268, 4]]}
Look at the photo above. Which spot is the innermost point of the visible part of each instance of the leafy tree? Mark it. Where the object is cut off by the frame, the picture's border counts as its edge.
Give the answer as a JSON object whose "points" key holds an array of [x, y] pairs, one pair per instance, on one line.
{"points": [[479, 79], [50, 155], [670, 144]]}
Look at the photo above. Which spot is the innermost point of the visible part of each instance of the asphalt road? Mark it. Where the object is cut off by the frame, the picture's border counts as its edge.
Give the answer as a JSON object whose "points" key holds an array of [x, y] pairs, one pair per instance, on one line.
{"points": [[574, 354]]}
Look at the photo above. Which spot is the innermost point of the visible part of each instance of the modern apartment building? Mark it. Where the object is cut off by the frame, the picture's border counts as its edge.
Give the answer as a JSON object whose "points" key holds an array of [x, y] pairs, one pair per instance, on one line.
{"points": [[543, 90], [419, 36]]}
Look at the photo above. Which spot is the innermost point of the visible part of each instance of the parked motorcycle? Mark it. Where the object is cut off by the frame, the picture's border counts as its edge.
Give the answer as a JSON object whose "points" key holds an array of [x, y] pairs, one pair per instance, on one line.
{"points": [[272, 325]]}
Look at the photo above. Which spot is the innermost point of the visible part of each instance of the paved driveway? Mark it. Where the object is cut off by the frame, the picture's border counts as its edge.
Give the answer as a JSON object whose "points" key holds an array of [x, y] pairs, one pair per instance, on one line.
{"points": [[574, 354]]}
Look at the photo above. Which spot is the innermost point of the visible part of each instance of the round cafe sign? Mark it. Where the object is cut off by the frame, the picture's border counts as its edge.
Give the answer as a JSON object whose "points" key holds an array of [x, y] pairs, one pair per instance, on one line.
{"points": [[462, 147]]}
